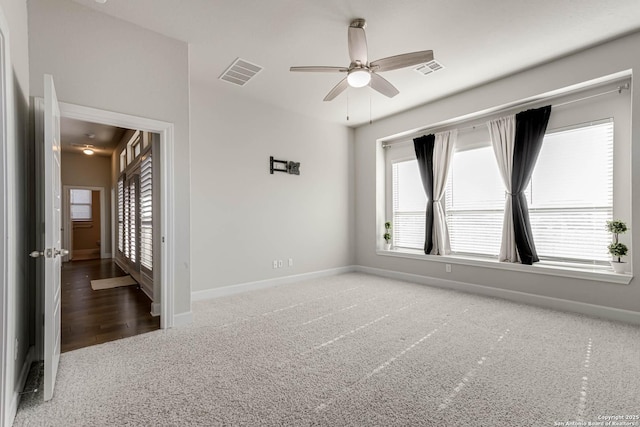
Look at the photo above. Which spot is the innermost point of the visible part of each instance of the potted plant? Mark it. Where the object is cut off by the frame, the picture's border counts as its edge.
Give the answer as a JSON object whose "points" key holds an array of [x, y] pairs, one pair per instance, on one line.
{"points": [[387, 235], [617, 249]]}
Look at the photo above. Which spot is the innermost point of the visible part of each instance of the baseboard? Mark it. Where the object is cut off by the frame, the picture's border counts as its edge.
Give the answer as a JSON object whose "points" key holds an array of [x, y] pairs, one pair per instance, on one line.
{"points": [[155, 309], [15, 399], [262, 284], [83, 254], [604, 312], [182, 319], [106, 256]]}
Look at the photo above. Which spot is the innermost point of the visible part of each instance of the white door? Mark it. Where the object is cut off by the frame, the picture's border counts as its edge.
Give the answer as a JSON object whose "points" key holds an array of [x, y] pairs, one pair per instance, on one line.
{"points": [[52, 252]]}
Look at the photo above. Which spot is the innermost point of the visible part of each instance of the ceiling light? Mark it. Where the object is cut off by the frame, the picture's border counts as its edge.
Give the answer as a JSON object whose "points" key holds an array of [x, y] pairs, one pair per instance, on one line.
{"points": [[101, 1], [88, 151], [359, 77]]}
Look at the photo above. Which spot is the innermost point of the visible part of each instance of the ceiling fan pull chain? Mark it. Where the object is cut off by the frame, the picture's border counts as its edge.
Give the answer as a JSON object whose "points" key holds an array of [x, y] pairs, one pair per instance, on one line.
{"points": [[347, 106]]}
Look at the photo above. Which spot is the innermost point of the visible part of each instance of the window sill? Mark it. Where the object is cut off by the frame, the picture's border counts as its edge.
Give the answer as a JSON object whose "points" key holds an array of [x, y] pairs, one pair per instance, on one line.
{"points": [[574, 271]]}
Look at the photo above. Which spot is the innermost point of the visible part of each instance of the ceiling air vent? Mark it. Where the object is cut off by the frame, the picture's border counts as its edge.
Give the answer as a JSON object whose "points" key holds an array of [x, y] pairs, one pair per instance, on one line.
{"points": [[429, 67], [240, 72]]}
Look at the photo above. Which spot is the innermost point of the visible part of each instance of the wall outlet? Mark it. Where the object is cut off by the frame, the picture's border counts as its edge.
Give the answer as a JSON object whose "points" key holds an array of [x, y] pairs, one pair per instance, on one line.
{"points": [[280, 263], [275, 263], [290, 262], [447, 268]]}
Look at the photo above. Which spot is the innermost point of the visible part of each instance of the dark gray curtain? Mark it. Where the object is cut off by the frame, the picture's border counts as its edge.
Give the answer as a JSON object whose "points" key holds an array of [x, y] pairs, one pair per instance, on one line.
{"points": [[531, 126], [424, 153]]}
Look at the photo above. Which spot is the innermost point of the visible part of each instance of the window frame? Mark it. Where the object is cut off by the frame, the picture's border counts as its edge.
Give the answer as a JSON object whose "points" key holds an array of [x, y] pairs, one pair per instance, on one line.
{"points": [[71, 204], [617, 107]]}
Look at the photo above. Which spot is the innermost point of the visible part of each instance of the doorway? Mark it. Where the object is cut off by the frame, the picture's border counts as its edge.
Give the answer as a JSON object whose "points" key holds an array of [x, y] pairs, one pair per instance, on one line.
{"points": [[107, 293]]}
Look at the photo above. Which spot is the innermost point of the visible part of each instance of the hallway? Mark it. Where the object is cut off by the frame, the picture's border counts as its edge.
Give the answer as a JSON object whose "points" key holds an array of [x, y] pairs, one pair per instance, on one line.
{"points": [[92, 317]]}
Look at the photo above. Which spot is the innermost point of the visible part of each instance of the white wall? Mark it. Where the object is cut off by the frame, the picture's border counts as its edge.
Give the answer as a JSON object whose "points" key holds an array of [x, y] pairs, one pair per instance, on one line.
{"points": [[106, 63], [607, 59], [19, 287], [242, 217]]}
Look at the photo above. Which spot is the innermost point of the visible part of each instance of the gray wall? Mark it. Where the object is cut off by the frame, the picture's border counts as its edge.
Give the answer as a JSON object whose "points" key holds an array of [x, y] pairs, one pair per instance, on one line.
{"points": [[109, 64], [20, 287], [606, 59], [242, 217]]}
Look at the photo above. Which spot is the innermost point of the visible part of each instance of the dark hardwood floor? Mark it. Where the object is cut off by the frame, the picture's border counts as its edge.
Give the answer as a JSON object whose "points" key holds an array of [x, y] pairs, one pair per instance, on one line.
{"points": [[92, 317]]}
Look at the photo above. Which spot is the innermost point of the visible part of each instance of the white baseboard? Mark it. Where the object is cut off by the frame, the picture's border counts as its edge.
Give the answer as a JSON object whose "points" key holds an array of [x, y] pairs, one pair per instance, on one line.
{"points": [[155, 309], [261, 284], [15, 399], [106, 256], [610, 313], [182, 319]]}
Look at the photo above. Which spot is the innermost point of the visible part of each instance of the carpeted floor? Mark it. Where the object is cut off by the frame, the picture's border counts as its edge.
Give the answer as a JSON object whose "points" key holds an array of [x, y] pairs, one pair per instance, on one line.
{"points": [[353, 350]]}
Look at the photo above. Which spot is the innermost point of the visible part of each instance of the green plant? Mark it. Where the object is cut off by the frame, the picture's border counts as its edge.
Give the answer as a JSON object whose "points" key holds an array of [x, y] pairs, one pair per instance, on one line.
{"points": [[387, 234], [616, 248]]}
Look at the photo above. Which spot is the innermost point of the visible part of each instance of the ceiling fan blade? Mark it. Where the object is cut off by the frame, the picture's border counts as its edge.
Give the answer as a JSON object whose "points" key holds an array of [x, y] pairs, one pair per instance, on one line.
{"points": [[320, 69], [337, 90], [358, 45], [383, 86], [401, 61]]}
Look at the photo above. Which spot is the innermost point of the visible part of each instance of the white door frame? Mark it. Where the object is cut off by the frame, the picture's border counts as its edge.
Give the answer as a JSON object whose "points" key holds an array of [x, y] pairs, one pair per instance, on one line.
{"points": [[8, 257], [67, 236], [167, 216]]}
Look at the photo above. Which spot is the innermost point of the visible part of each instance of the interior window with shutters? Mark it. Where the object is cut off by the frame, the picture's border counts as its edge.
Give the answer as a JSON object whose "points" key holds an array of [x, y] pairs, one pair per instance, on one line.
{"points": [[80, 205], [146, 213], [121, 214]]}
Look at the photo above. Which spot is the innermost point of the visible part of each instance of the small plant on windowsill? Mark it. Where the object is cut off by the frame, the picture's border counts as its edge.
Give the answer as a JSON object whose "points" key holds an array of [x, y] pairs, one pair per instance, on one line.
{"points": [[617, 249], [387, 236]]}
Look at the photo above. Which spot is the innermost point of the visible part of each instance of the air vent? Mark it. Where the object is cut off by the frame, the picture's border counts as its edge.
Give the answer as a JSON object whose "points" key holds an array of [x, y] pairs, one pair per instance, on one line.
{"points": [[240, 72], [429, 67]]}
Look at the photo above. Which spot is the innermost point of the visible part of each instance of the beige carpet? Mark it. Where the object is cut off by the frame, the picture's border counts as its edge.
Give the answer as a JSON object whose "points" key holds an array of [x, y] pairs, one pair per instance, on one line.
{"points": [[114, 282], [353, 350]]}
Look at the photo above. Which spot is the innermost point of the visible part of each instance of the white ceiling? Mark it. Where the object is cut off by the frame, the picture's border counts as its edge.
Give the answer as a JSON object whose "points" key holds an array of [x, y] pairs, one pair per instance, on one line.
{"points": [[74, 136], [476, 40]]}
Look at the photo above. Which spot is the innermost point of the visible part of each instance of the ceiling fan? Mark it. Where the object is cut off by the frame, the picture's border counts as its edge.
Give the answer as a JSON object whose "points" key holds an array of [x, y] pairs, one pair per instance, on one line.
{"points": [[361, 72]]}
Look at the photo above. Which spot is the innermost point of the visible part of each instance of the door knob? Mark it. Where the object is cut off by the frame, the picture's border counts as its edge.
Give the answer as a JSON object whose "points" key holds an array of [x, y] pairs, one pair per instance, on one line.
{"points": [[62, 252], [36, 254]]}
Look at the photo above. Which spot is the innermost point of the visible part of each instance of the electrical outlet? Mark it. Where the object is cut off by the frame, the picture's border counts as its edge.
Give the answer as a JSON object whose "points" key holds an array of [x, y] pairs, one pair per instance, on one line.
{"points": [[447, 268], [275, 263], [290, 262], [280, 263]]}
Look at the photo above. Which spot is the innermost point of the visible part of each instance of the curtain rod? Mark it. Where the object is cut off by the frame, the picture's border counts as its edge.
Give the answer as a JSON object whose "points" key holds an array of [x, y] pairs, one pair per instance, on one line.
{"points": [[619, 89]]}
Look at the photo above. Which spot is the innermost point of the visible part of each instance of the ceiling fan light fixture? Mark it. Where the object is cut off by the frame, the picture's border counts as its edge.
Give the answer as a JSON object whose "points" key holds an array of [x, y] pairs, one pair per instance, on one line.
{"points": [[359, 77], [88, 151]]}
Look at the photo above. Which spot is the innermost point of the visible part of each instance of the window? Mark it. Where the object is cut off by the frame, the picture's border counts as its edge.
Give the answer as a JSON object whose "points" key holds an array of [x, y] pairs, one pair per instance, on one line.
{"points": [[570, 197], [80, 205], [121, 214], [571, 194], [409, 203], [474, 202]]}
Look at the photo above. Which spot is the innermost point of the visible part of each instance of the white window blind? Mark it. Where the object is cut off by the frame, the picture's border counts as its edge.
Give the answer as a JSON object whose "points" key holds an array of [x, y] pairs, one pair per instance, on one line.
{"points": [[146, 213], [121, 215], [571, 194], [80, 206], [474, 202], [409, 205]]}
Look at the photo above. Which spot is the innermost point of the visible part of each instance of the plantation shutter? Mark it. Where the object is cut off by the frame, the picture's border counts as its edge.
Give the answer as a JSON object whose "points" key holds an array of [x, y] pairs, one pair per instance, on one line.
{"points": [[121, 214], [131, 221], [146, 213]]}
